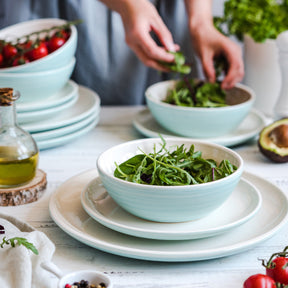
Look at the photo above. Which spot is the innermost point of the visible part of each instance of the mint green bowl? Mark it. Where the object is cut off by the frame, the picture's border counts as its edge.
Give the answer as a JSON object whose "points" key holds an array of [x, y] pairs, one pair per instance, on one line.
{"points": [[199, 122], [38, 86], [168, 203]]}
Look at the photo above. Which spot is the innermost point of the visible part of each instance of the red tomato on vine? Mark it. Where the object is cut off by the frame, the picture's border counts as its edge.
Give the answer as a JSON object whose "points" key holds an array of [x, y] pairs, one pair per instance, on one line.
{"points": [[38, 51], [259, 281], [63, 33], [9, 51], [24, 47], [1, 60], [277, 267], [20, 60], [55, 43]]}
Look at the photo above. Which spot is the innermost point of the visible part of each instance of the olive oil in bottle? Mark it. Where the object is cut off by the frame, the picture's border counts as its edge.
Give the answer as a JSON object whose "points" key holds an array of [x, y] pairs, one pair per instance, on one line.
{"points": [[14, 170], [18, 150]]}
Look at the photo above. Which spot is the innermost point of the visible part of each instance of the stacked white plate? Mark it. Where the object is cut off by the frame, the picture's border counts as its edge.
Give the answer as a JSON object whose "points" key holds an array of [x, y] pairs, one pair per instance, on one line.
{"points": [[255, 211], [61, 118]]}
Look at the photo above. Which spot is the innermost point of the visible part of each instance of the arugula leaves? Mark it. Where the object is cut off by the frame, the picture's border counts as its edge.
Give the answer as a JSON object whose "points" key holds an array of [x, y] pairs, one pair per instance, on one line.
{"points": [[178, 65], [260, 19], [166, 167], [18, 241], [190, 93]]}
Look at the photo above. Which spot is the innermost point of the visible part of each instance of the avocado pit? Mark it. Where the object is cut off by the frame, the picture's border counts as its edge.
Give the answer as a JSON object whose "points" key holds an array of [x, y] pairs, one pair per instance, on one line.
{"points": [[273, 141], [279, 135]]}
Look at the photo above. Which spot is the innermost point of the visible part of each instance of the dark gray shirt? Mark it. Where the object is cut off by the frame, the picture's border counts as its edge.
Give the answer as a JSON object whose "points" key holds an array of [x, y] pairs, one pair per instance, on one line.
{"points": [[104, 62]]}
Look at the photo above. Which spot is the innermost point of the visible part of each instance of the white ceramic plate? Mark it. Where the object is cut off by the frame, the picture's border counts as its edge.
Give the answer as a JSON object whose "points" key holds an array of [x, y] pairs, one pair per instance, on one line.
{"points": [[61, 140], [59, 132], [249, 128], [69, 91], [27, 117], [241, 206], [87, 103], [66, 210]]}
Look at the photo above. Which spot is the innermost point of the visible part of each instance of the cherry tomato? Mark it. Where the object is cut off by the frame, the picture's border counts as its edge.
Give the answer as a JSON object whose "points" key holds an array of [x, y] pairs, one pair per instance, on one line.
{"points": [[9, 51], [46, 42], [38, 51], [278, 270], [259, 281], [20, 60], [63, 33], [1, 60], [24, 47], [55, 43]]}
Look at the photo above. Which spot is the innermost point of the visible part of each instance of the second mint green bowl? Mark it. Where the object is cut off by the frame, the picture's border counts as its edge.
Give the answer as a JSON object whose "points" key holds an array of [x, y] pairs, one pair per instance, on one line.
{"points": [[199, 122]]}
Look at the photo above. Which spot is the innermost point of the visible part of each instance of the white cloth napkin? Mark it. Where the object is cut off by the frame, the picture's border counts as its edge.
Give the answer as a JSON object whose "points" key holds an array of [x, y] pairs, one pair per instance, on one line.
{"points": [[20, 267]]}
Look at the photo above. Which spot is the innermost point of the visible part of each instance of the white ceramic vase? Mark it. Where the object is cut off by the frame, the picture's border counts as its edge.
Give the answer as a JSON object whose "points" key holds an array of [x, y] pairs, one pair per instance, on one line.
{"points": [[281, 106], [262, 73]]}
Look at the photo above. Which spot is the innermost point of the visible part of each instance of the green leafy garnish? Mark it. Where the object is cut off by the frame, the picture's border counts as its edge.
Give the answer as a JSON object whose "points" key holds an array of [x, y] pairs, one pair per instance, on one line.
{"points": [[260, 19], [19, 241], [181, 166], [191, 93], [178, 65]]}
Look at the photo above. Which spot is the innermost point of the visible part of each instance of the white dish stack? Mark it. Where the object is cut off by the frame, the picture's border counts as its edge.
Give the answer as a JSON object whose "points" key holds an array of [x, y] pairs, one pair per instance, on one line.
{"points": [[53, 108], [70, 113]]}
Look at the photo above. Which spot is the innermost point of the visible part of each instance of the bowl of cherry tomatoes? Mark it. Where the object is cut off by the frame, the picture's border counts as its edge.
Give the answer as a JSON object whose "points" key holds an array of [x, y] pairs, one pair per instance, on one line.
{"points": [[37, 45]]}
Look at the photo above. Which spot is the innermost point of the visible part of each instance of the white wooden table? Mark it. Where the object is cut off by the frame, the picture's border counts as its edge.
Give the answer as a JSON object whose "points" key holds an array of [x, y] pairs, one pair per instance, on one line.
{"points": [[115, 127]]}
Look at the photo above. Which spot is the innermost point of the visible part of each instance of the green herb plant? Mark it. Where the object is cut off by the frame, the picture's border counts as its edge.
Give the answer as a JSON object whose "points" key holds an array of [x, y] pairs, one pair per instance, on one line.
{"points": [[19, 241], [260, 19], [167, 167]]}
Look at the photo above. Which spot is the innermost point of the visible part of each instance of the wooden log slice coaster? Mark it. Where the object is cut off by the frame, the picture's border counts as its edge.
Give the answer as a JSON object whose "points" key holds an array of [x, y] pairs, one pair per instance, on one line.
{"points": [[24, 194]]}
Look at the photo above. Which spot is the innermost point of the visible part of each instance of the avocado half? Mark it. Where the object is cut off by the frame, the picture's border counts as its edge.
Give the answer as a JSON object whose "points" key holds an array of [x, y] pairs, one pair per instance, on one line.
{"points": [[273, 141]]}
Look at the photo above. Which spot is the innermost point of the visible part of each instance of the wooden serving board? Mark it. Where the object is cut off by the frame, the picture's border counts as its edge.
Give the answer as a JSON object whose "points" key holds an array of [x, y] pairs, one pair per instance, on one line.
{"points": [[24, 194]]}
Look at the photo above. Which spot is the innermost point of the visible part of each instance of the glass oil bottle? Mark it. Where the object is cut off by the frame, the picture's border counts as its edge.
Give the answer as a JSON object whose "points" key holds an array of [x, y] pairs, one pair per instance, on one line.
{"points": [[18, 150]]}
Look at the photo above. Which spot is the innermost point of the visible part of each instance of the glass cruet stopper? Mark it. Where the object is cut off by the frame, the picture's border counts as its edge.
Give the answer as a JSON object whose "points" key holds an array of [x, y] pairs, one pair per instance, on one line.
{"points": [[18, 150]]}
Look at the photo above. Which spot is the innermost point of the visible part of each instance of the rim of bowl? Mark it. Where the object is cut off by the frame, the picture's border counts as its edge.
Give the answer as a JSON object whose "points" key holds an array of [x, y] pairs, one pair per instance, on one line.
{"points": [[39, 73], [74, 34], [175, 107], [239, 170]]}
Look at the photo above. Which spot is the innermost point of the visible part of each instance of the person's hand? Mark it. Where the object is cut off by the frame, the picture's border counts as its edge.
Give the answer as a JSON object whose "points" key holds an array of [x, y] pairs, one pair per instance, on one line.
{"points": [[210, 43], [140, 18]]}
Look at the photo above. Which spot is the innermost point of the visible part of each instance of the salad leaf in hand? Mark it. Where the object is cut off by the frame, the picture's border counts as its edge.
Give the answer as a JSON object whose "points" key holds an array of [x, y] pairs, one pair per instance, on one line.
{"points": [[178, 65]]}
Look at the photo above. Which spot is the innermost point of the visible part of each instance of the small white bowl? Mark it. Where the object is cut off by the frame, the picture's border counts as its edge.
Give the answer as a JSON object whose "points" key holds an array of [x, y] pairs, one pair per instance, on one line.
{"points": [[199, 122], [57, 59], [92, 276], [168, 203]]}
